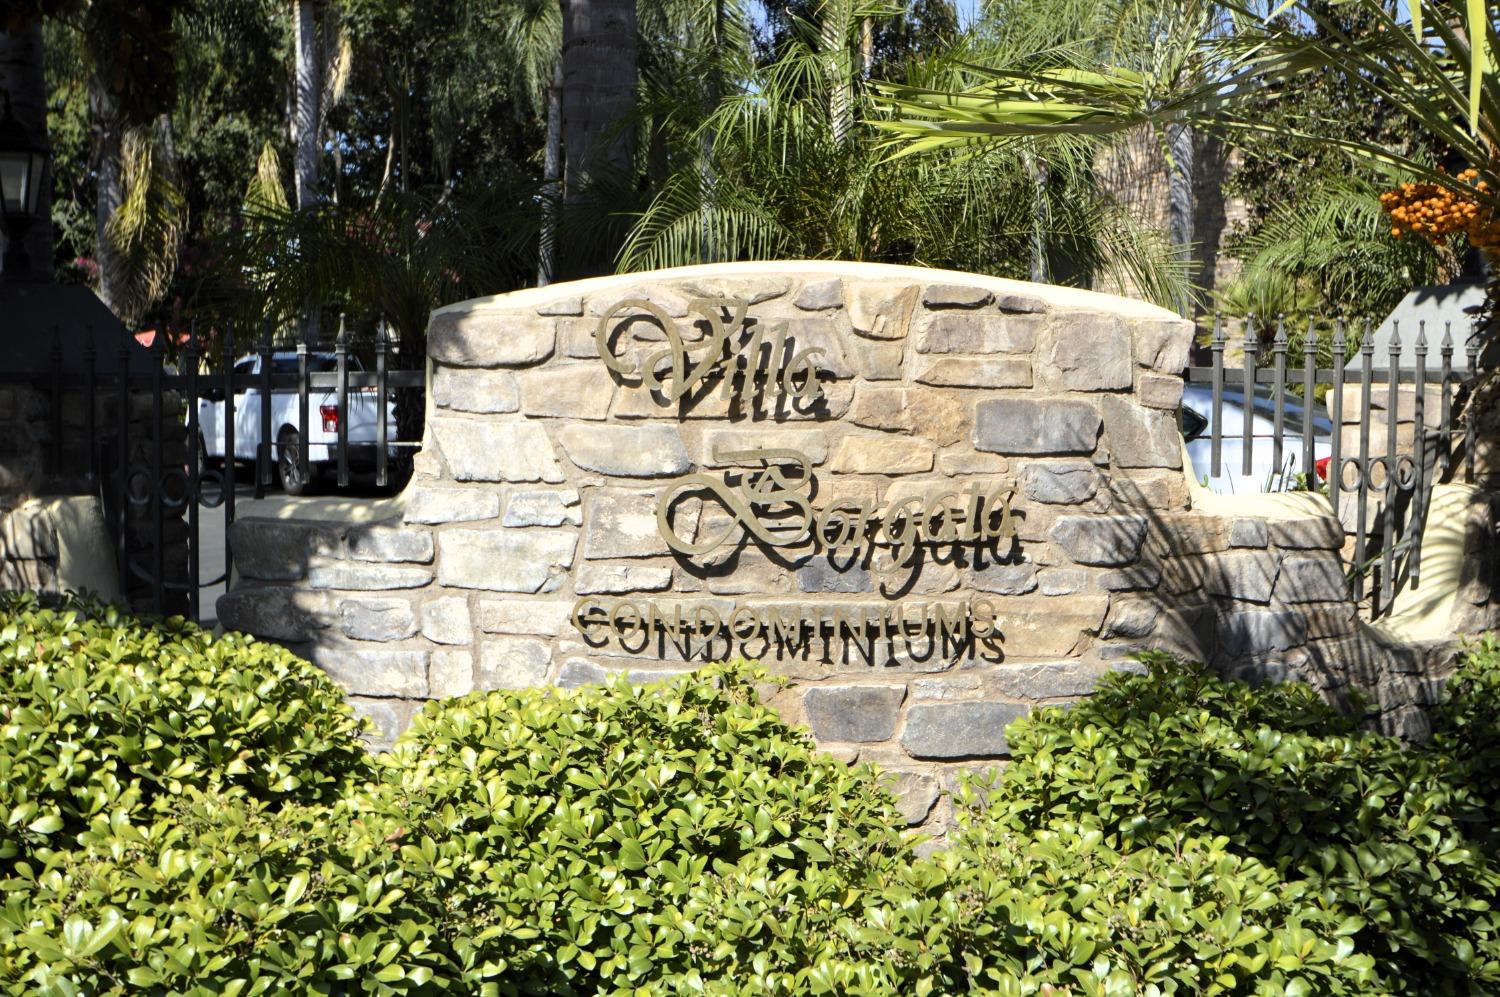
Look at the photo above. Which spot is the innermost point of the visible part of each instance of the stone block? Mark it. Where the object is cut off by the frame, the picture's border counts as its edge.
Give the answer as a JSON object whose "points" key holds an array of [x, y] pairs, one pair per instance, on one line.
{"points": [[435, 506], [446, 620], [578, 672], [272, 612], [1160, 391], [566, 306], [1060, 484], [367, 577], [1252, 632], [878, 361], [670, 300], [1090, 352], [813, 443], [882, 455], [915, 793], [390, 543], [1107, 541], [1130, 618], [506, 560], [544, 507], [1140, 437], [975, 372], [599, 578], [576, 391], [1035, 426], [959, 729], [486, 450], [821, 574], [936, 417], [1312, 579], [1021, 304], [860, 713], [955, 463], [1004, 579], [1162, 344], [512, 663], [1154, 491], [1248, 533], [1034, 626], [626, 451], [880, 309], [465, 338], [387, 718], [1319, 533], [976, 332], [820, 295], [525, 617], [364, 672], [275, 550], [761, 287], [1146, 575], [622, 523], [1047, 679], [468, 390], [1062, 581], [956, 296], [1243, 574], [450, 674], [380, 620], [29, 534]]}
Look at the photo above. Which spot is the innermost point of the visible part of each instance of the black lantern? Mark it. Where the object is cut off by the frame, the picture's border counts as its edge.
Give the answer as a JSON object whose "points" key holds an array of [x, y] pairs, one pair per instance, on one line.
{"points": [[23, 170]]}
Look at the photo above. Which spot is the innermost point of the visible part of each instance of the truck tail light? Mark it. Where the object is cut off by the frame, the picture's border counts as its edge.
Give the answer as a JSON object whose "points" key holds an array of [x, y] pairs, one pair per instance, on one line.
{"points": [[330, 414]]}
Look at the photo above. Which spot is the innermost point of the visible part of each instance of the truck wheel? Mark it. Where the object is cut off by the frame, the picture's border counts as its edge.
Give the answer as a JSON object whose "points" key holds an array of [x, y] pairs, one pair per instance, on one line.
{"points": [[288, 463]]}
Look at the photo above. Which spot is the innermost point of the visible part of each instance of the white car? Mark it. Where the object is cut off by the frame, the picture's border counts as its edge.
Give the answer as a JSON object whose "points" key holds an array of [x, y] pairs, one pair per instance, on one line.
{"points": [[1266, 475], [321, 438]]}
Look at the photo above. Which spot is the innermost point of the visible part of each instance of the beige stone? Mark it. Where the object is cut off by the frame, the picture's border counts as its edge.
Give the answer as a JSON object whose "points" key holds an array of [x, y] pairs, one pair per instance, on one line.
{"points": [[535, 617], [613, 578], [484, 338], [981, 331], [975, 372], [577, 391], [621, 522], [954, 462], [813, 443], [880, 309], [468, 390], [1090, 351], [450, 673], [937, 417], [882, 455], [505, 560], [649, 451], [1160, 391], [487, 450], [512, 663], [878, 361]]}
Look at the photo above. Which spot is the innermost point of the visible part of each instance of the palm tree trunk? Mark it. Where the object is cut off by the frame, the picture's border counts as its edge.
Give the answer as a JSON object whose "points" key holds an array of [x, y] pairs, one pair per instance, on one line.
{"points": [[840, 84], [551, 172], [306, 91], [22, 78], [1180, 196], [598, 99], [109, 186]]}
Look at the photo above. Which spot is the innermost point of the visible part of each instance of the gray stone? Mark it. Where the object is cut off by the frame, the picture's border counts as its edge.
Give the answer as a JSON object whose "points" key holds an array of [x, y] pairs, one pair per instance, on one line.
{"points": [[389, 543], [813, 443], [451, 505], [959, 730], [376, 673], [1141, 437], [1091, 351], [578, 672], [489, 339], [489, 391], [1024, 304], [1048, 679], [1108, 541], [512, 663], [446, 620], [506, 560], [1130, 618], [544, 507], [1162, 344], [1146, 575], [879, 361], [862, 713], [1060, 484], [450, 673], [367, 577], [915, 793], [1248, 575], [1062, 581], [29, 534], [955, 296], [596, 578], [1312, 579], [486, 450], [275, 550], [1004, 579], [627, 451], [975, 372], [525, 617], [980, 332], [1035, 426], [622, 523], [1261, 632], [577, 391], [820, 295], [562, 307], [272, 612], [880, 309], [1319, 533], [1248, 533], [387, 719], [820, 574], [1160, 391], [377, 619]]}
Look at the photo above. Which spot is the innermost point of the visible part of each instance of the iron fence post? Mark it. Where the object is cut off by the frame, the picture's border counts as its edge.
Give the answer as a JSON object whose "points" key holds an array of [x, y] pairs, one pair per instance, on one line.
{"points": [[229, 475], [1278, 391], [194, 469], [1247, 382], [1419, 441], [1216, 437], [263, 452], [303, 429], [1367, 358], [341, 355], [1336, 437], [380, 409]]}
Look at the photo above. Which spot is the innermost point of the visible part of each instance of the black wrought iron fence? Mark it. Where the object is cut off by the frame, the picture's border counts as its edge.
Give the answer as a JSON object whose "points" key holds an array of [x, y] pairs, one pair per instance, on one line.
{"points": [[1380, 489], [138, 438]]}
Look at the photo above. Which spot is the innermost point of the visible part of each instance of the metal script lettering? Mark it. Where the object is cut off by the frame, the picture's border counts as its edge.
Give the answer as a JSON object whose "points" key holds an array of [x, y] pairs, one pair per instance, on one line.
{"points": [[726, 351]]}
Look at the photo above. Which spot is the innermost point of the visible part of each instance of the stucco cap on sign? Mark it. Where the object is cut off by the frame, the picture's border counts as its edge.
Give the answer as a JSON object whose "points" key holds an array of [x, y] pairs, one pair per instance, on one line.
{"points": [[1053, 295]]}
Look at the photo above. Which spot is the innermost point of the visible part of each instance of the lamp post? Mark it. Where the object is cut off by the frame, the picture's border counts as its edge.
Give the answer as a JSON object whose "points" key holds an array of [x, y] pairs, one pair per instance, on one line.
{"points": [[23, 171]]}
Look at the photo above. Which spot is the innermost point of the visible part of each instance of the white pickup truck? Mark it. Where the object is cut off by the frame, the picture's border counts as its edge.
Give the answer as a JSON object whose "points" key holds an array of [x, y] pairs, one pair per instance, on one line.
{"points": [[321, 438]]}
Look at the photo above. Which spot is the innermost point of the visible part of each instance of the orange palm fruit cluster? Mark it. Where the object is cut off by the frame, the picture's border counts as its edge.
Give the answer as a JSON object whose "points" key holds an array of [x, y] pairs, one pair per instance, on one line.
{"points": [[1435, 211]]}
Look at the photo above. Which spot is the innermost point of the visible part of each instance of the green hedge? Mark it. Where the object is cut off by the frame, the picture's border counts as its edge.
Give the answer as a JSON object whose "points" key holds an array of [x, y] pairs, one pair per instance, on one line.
{"points": [[197, 816]]}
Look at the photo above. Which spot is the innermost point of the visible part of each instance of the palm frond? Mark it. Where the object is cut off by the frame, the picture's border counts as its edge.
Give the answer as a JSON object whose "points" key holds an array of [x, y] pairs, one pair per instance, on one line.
{"points": [[146, 230]]}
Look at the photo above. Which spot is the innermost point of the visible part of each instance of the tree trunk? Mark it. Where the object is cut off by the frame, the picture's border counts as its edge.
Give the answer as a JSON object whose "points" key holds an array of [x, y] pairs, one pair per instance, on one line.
{"points": [[840, 84], [306, 91], [21, 76], [109, 185], [546, 267], [1180, 196], [598, 99]]}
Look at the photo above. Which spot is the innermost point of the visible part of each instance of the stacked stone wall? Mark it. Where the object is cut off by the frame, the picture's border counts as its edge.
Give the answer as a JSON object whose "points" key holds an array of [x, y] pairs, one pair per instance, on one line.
{"points": [[567, 522]]}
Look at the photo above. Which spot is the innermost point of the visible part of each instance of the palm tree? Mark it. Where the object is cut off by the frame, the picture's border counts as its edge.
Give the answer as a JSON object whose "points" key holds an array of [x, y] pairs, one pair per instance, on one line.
{"points": [[25, 88]]}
